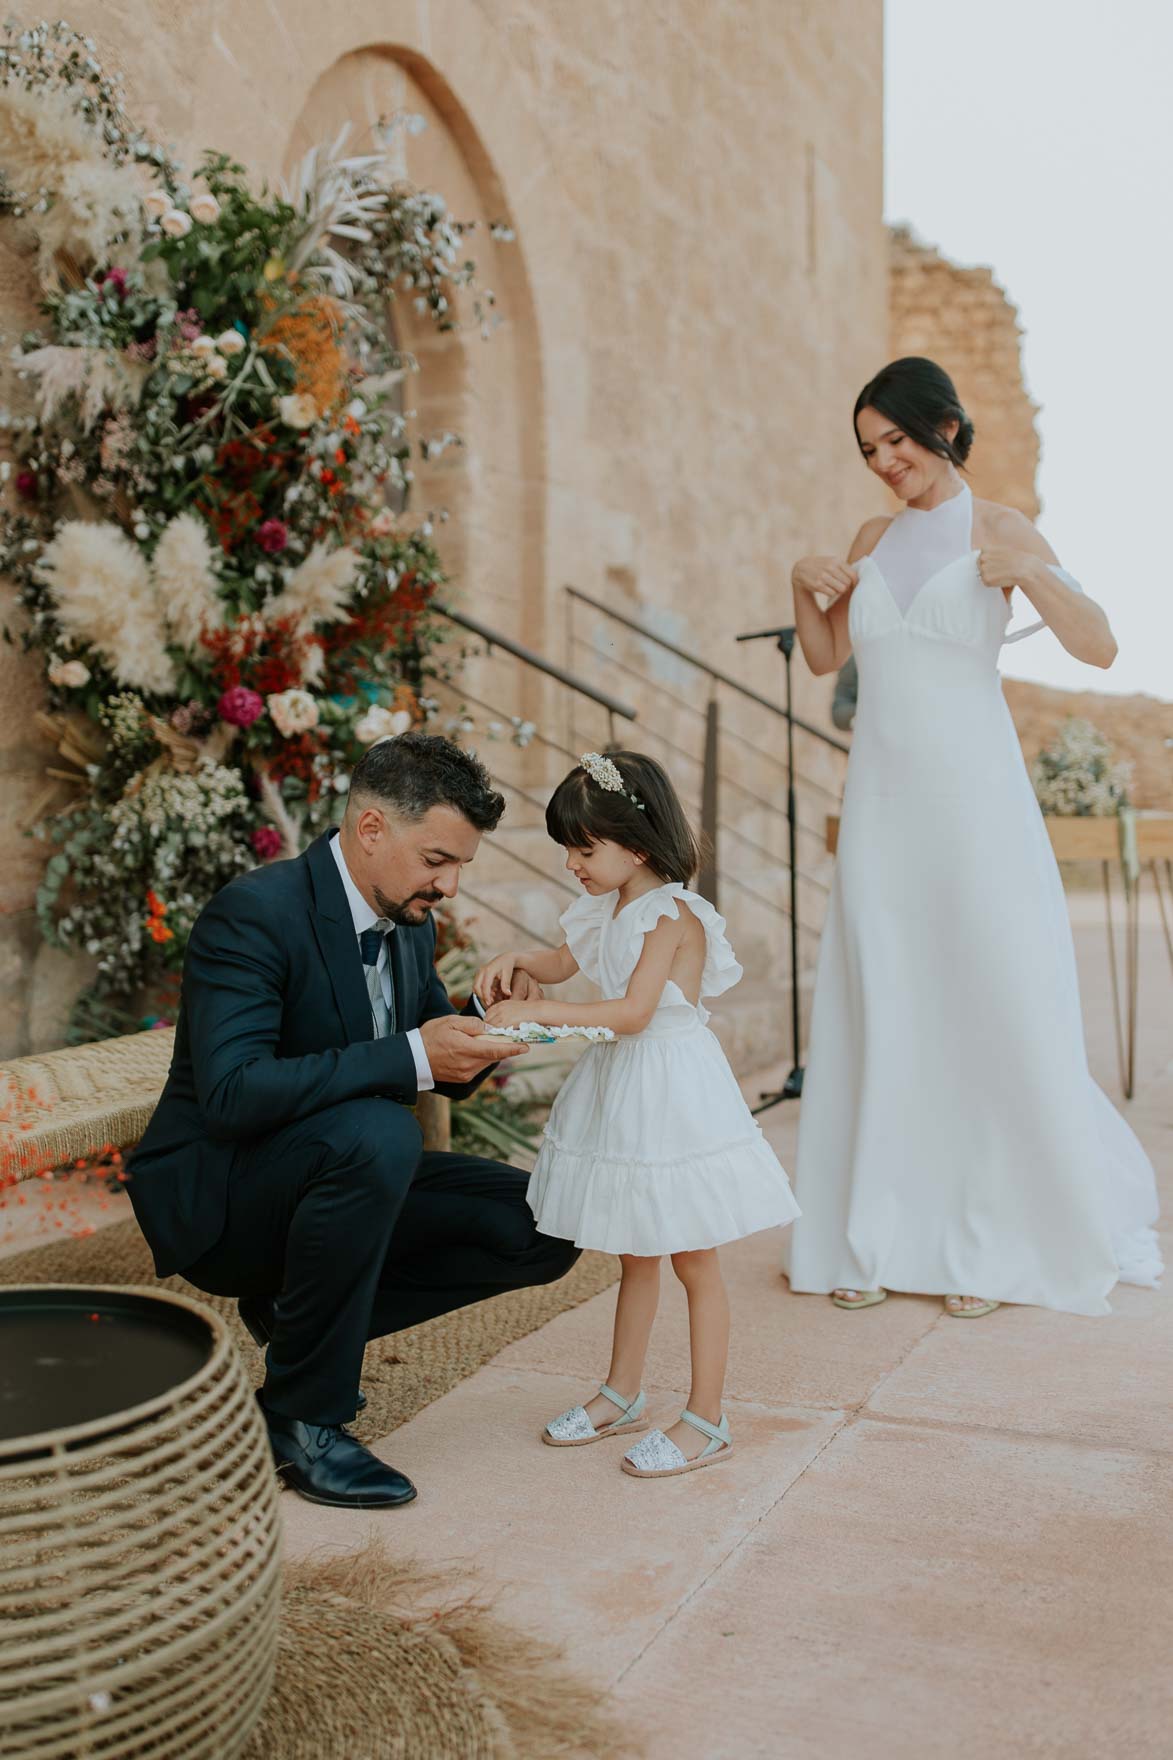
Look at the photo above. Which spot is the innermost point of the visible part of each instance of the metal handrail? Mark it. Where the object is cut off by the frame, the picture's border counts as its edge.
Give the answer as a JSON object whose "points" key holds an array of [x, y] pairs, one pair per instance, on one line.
{"points": [[495, 639], [732, 684]]}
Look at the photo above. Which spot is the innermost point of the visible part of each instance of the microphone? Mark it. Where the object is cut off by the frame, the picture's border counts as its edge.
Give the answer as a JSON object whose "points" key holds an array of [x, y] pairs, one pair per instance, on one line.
{"points": [[783, 637]]}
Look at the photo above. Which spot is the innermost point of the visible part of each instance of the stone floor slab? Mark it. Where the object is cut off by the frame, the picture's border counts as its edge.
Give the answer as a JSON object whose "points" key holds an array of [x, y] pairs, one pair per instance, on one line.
{"points": [[1105, 1380], [576, 1548], [923, 1592], [789, 1349]]}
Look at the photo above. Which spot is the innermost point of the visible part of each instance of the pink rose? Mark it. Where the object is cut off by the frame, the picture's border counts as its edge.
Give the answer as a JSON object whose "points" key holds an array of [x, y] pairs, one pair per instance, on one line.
{"points": [[240, 706], [273, 536], [266, 842], [115, 278], [26, 485]]}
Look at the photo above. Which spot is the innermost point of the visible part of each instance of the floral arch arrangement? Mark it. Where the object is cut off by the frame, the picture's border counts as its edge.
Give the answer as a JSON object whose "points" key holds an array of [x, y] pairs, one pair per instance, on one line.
{"points": [[207, 447]]}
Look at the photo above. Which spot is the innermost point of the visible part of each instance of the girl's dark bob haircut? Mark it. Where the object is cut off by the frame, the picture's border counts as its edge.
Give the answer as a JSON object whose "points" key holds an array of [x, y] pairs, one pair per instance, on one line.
{"points": [[919, 397], [582, 813]]}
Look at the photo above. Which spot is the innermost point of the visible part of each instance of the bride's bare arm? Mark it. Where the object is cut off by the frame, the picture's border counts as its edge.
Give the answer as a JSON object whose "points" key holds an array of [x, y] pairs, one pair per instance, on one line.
{"points": [[823, 633], [1020, 556]]}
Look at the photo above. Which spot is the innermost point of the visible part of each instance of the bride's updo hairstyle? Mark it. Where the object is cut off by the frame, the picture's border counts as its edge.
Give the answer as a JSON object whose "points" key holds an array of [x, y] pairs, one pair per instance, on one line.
{"points": [[919, 397], [642, 815]]}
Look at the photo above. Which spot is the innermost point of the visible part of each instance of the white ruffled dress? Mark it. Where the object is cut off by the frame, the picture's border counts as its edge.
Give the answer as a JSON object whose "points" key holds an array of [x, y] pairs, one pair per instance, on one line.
{"points": [[650, 1147]]}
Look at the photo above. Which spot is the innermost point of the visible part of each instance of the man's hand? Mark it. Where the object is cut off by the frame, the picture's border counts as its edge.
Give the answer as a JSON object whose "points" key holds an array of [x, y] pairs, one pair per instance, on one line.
{"points": [[459, 1048]]}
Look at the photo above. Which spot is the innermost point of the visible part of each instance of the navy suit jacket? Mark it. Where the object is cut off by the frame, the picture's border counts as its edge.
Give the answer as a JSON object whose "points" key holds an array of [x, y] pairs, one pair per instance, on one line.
{"points": [[274, 1025]]}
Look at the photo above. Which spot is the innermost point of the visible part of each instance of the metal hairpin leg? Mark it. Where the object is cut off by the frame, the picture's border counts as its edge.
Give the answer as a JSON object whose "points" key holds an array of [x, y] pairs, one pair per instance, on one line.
{"points": [[1124, 1020], [1156, 868]]}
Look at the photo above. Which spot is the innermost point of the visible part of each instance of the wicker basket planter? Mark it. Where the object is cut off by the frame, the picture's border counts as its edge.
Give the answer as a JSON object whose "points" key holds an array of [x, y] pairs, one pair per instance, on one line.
{"points": [[139, 1544]]}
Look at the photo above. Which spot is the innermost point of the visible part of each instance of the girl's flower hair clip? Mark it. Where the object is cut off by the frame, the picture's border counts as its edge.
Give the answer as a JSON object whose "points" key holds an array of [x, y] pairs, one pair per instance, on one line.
{"points": [[606, 774]]}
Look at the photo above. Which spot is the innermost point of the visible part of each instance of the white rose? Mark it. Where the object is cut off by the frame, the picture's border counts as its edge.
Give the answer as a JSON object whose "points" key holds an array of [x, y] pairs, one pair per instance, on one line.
{"points": [[383, 523], [157, 203], [298, 410], [204, 208], [175, 223], [72, 674], [216, 367], [203, 345], [292, 711], [379, 723], [230, 342]]}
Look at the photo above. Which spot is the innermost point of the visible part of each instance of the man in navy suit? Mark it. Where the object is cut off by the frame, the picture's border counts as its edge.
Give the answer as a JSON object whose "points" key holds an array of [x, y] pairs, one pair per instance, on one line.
{"points": [[283, 1165]]}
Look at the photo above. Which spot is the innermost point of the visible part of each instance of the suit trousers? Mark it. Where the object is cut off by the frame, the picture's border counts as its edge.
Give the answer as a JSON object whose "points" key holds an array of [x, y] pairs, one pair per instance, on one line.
{"points": [[356, 1232]]}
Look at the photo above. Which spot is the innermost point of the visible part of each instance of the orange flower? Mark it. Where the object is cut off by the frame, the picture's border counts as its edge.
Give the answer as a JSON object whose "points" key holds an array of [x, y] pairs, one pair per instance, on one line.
{"points": [[309, 337], [155, 904]]}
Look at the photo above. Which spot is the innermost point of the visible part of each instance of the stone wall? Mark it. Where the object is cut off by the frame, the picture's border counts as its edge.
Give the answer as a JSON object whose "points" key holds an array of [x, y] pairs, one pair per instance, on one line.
{"points": [[697, 288], [964, 320]]}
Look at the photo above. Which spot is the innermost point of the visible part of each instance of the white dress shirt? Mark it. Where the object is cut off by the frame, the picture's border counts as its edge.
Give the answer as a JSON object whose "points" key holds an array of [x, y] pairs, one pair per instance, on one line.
{"points": [[365, 918]]}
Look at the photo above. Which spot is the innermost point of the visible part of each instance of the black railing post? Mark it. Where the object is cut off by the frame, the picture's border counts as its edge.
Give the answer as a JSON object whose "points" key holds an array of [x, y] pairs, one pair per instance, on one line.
{"points": [[707, 883]]}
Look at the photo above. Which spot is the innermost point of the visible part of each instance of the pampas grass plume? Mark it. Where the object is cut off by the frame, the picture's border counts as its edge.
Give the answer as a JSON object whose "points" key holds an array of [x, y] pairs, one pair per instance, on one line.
{"points": [[99, 378], [104, 596], [318, 590], [185, 581], [46, 148]]}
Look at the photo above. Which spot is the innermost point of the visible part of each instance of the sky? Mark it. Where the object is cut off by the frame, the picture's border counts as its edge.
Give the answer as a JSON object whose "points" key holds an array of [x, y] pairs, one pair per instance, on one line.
{"points": [[1035, 137]]}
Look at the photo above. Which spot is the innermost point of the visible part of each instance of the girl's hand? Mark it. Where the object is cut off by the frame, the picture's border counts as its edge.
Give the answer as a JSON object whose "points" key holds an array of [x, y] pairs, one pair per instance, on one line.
{"points": [[512, 1014], [494, 982], [824, 577], [1006, 568]]}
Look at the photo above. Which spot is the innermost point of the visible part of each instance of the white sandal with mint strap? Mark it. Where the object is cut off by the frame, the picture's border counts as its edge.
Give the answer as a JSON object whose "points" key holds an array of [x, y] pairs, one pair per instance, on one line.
{"points": [[657, 1457], [574, 1428]]}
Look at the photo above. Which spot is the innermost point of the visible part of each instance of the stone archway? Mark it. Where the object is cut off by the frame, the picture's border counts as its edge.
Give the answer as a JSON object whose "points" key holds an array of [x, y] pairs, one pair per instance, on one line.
{"points": [[488, 392]]}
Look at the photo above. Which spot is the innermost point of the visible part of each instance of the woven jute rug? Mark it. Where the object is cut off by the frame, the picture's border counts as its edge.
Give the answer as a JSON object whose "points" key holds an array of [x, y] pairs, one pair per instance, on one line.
{"points": [[378, 1660], [402, 1373]]}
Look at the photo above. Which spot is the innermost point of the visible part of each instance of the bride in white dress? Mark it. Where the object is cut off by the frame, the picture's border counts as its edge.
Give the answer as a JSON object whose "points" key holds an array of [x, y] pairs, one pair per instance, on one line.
{"points": [[951, 1139]]}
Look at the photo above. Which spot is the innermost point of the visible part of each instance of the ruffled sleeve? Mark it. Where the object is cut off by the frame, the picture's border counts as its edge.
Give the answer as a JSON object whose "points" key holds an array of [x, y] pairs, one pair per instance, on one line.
{"points": [[721, 968], [582, 923]]}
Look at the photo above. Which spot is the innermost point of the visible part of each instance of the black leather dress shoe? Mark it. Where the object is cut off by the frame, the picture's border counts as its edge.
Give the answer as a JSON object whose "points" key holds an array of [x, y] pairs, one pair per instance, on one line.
{"points": [[256, 1315], [326, 1464]]}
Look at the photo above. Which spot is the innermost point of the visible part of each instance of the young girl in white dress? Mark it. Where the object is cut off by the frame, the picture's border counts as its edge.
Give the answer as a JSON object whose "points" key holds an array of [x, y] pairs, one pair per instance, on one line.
{"points": [[951, 1140], [650, 1147]]}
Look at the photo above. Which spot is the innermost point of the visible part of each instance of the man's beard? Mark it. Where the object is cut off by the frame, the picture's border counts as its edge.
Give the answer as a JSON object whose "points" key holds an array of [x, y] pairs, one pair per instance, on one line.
{"points": [[408, 914]]}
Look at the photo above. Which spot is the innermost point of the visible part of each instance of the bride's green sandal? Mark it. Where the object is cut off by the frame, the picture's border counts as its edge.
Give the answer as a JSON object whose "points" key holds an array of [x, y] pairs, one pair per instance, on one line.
{"points": [[657, 1457], [573, 1428], [864, 1298], [972, 1313]]}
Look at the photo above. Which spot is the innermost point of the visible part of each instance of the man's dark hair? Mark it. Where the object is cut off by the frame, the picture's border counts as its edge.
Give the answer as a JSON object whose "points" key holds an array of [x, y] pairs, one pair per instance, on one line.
{"points": [[415, 772]]}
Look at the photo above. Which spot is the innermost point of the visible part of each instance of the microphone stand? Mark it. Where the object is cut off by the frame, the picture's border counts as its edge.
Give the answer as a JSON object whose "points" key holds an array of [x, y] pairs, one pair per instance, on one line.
{"points": [[791, 1088]]}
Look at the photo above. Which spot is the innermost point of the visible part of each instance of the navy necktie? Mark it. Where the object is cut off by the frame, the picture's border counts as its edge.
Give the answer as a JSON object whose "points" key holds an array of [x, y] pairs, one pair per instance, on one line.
{"points": [[370, 943]]}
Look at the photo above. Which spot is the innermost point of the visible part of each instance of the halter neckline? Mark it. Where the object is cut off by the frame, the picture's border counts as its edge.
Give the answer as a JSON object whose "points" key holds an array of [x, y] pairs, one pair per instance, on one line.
{"points": [[927, 512]]}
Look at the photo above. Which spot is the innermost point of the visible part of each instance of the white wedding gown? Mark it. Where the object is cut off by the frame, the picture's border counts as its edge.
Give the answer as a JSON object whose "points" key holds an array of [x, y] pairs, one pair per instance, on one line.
{"points": [[951, 1138]]}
